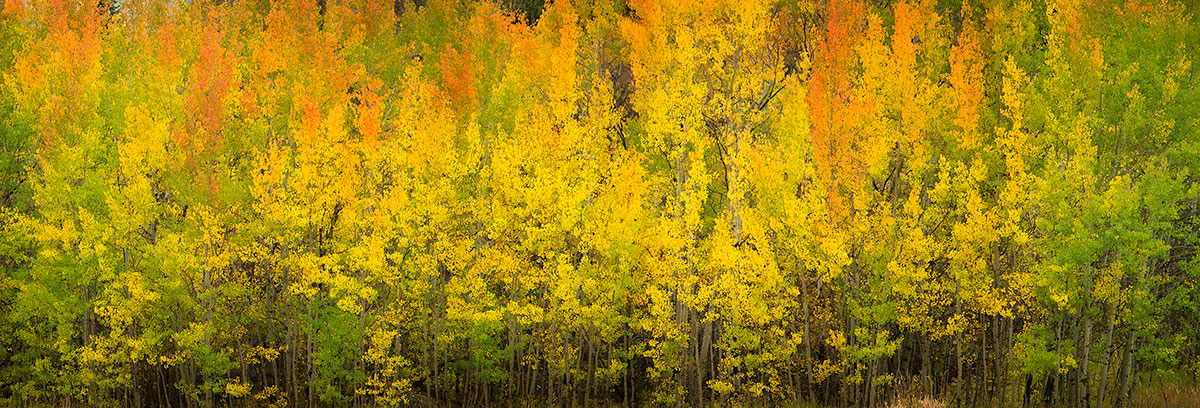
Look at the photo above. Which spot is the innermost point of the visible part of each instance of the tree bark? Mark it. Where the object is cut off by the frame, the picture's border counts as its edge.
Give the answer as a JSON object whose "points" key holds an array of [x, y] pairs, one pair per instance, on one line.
{"points": [[958, 348], [1084, 383], [1102, 390], [1126, 367]]}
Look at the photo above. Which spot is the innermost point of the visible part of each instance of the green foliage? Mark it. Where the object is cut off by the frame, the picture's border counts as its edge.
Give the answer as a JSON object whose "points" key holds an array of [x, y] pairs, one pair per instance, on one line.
{"points": [[760, 202]]}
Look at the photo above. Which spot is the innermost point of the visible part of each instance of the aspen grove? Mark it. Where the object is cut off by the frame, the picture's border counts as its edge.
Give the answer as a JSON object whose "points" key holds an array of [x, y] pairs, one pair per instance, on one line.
{"points": [[597, 202]]}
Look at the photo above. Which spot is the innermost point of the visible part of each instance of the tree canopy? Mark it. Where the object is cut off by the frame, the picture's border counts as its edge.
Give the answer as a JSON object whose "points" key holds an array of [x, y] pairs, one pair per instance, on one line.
{"points": [[635, 202]]}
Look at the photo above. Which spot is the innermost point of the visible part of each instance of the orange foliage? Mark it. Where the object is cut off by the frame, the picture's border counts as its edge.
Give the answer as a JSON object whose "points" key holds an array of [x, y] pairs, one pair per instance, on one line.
{"points": [[830, 103], [914, 21], [210, 81], [458, 77], [13, 8], [167, 54], [966, 82], [369, 109], [64, 65]]}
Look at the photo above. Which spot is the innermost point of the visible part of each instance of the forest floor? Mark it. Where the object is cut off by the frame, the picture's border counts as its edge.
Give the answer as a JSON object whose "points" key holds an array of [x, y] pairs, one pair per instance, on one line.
{"points": [[1166, 395], [1176, 394]]}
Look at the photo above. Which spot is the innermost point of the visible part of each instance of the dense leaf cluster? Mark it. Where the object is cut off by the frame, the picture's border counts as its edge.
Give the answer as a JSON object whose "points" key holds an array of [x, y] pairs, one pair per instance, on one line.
{"points": [[639, 202]]}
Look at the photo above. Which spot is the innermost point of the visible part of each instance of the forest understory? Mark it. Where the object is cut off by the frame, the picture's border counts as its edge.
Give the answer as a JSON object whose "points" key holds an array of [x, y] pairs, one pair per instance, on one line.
{"points": [[612, 203]]}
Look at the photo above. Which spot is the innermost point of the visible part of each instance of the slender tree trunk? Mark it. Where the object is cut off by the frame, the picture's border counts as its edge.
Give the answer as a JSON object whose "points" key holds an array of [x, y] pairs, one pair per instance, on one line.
{"points": [[849, 390], [1028, 390], [290, 364], [1126, 367], [1102, 390], [808, 369], [705, 358], [681, 177], [870, 380], [1085, 355], [1048, 391], [308, 352], [1073, 374], [1057, 393], [628, 377], [208, 306], [927, 377], [958, 348], [1008, 346]]}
